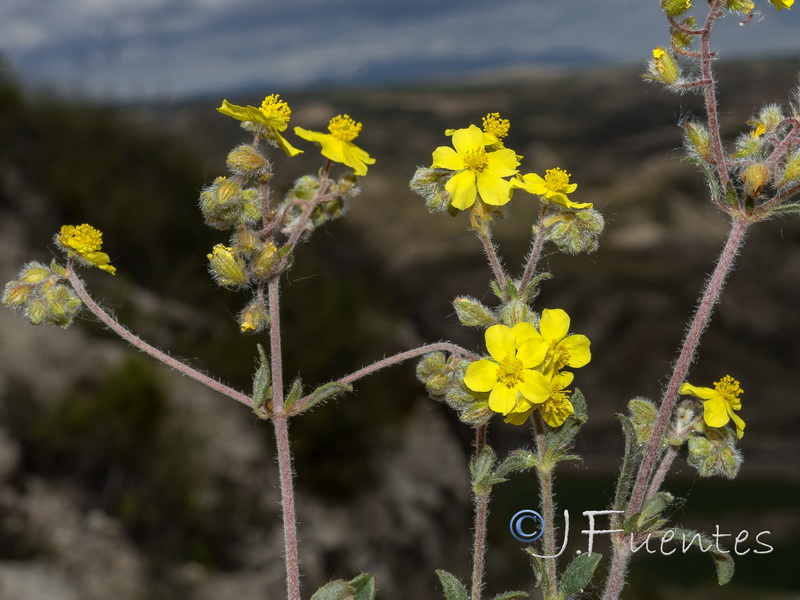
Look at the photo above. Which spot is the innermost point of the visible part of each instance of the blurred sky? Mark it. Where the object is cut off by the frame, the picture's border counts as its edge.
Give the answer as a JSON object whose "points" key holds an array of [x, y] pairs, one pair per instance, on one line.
{"points": [[135, 50]]}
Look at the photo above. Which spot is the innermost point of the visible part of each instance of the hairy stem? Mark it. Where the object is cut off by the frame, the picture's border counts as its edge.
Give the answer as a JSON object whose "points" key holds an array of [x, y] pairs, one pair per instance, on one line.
{"points": [[281, 423], [699, 322], [545, 476], [140, 344], [481, 518], [710, 97], [539, 238]]}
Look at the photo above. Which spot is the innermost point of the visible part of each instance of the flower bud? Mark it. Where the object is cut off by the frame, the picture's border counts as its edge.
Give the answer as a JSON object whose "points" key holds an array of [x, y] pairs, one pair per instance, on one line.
{"points": [[673, 8], [16, 294], [754, 178], [472, 313], [714, 453], [663, 67], [791, 172], [575, 231], [225, 204], [430, 184], [740, 6], [254, 317], [62, 305], [246, 160], [266, 260], [227, 269], [34, 272], [698, 140], [515, 311]]}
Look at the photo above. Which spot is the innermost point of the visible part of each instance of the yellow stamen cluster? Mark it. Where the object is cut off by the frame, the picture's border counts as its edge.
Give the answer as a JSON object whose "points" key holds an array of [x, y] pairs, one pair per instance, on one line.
{"points": [[476, 160], [729, 388], [556, 179], [344, 128], [274, 108], [492, 123], [510, 371], [83, 238]]}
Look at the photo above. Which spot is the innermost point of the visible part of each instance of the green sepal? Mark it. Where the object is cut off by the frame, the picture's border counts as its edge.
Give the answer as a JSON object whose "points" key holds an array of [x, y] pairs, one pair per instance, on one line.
{"points": [[531, 290], [262, 390], [723, 562], [293, 396], [511, 596], [476, 414], [364, 585], [515, 311], [326, 391], [473, 313], [627, 475], [480, 468], [453, 588], [518, 460], [537, 566], [785, 209], [731, 198], [643, 416], [579, 573]]}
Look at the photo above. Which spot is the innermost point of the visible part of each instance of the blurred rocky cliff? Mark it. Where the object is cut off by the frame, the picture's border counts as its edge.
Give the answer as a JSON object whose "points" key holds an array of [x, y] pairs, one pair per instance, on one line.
{"points": [[121, 479]]}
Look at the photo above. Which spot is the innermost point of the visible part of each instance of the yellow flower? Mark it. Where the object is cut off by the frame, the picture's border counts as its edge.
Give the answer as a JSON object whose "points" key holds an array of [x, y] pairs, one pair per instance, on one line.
{"points": [[85, 242], [495, 129], [719, 402], [563, 350], [478, 172], [781, 4], [554, 187], [556, 407], [510, 376], [338, 146], [268, 120]]}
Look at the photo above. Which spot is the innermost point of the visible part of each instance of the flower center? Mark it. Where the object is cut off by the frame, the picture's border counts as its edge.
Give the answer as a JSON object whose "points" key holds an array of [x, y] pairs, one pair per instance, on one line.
{"points": [[558, 400], [492, 123], [475, 160], [83, 238], [344, 128], [729, 389], [274, 108], [510, 371], [556, 179]]}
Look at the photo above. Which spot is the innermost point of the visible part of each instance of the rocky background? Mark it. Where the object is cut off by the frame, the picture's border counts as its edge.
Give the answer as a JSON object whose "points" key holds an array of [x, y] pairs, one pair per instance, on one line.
{"points": [[121, 479]]}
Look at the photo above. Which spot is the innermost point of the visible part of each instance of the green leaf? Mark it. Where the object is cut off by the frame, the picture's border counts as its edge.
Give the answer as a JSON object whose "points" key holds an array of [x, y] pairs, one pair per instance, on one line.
{"points": [[531, 290], [579, 573], [685, 538], [537, 566], [364, 586], [511, 596], [294, 395], [261, 380], [481, 470], [629, 462], [651, 516], [325, 392], [453, 588], [335, 590], [518, 460]]}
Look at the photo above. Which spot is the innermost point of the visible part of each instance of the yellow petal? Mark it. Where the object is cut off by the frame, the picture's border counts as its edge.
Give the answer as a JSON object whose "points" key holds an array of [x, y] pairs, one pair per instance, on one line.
{"points": [[704, 393], [503, 399], [554, 324], [500, 342], [493, 190], [535, 386], [524, 331], [557, 414], [532, 352], [462, 190], [481, 376], [739, 424], [715, 412], [467, 139], [445, 157], [502, 163], [519, 418], [578, 348]]}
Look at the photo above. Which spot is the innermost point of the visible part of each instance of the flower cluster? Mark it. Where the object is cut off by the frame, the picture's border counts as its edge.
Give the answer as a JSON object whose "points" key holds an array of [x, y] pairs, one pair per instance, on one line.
{"points": [[525, 369], [39, 293]]}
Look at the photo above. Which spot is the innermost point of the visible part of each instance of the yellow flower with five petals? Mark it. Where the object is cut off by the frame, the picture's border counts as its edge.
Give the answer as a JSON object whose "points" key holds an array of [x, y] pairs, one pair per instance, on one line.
{"points": [[556, 407], [719, 402], [510, 376], [553, 187], [338, 145], [478, 172], [85, 242], [269, 120]]}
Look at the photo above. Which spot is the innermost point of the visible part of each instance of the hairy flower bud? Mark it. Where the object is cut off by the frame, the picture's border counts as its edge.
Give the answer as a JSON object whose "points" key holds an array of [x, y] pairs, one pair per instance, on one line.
{"points": [[265, 261], [246, 160], [698, 140], [673, 8], [473, 313], [16, 294], [714, 453], [225, 204], [429, 183], [754, 178], [575, 231], [791, 171], [226, 267], [62, 305], [254, 317], [663, 67]]}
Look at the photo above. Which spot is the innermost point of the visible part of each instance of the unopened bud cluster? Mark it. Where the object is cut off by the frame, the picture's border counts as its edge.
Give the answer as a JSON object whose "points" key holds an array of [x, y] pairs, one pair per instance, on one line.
{"points": [[304, 196], [39, 293]]}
